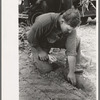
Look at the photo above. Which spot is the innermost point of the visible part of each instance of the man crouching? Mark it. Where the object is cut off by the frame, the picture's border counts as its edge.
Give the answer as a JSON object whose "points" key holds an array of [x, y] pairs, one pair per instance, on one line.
{"points": [[56, 30]]}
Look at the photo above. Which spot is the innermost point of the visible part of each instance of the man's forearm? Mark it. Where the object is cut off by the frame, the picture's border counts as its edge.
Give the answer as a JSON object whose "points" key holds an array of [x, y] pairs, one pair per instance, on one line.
{"points": [[72, 63]]}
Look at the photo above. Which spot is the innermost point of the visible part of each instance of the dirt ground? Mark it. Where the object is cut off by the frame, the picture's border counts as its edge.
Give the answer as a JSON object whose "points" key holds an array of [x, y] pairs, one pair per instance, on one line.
{"points": [[36, 86]]}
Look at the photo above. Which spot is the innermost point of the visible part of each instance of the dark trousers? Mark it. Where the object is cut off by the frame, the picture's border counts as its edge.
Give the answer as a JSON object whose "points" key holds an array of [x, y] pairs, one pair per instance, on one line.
{"points": [[45, 66]]}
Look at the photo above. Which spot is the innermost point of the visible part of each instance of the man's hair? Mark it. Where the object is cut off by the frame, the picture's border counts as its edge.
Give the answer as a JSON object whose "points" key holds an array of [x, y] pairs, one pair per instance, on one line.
{"points": [[72, 17]]}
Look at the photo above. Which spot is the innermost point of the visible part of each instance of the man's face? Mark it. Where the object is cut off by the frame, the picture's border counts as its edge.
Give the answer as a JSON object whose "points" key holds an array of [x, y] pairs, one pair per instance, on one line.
{"points": [[65, 27]]}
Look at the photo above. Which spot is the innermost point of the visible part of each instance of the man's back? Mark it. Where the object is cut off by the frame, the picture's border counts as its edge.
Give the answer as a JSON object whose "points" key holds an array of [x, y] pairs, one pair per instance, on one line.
{"points": [[42, 27], [47, 18]]}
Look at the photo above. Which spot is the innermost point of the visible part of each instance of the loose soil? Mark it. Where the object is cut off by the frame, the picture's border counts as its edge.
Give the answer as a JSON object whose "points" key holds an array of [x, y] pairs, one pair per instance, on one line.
{"points": [[52, 86]]}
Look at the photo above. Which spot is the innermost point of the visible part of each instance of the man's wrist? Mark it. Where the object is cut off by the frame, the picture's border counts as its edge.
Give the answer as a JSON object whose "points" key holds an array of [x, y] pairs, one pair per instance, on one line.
{"points": [[39, 49], [72, 71]]}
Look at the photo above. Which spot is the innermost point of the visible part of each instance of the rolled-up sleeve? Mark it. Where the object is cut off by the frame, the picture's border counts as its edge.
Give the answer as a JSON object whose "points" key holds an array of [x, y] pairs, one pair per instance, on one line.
{"points": [[71, 44]]}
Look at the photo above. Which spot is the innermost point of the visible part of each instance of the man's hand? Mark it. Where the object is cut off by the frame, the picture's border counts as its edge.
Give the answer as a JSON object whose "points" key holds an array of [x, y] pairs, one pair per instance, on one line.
{"points": [[72, 78], [43, 56]]}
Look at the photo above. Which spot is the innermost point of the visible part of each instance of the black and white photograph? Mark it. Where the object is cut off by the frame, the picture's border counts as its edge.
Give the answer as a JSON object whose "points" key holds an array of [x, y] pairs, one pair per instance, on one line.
{"points": [[57, 50]]}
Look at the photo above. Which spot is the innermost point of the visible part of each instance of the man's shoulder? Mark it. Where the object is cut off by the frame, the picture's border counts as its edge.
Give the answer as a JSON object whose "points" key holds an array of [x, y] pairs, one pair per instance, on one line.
{"points": [[47, 18], [48, 15]]}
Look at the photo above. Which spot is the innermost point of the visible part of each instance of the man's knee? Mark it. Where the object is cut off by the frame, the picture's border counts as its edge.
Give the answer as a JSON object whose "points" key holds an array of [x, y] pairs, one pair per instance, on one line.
{"points": [[43, 66]]}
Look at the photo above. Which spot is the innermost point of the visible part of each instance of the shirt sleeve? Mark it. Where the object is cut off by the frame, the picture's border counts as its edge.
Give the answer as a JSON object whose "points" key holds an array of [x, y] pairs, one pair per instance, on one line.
{"points": [[71, 44], [35, 34]]}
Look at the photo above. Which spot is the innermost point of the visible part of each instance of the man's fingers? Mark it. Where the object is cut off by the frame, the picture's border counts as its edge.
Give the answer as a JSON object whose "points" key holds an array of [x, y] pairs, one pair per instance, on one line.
{"points": [[46, 58], [73, 82], [43, 58]]}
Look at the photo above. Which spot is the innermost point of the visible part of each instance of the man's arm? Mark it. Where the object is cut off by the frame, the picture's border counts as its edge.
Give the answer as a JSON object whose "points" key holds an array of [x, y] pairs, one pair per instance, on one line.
{"points": [[71, 74], [42, 54], [71, 53], [72, 62], [34, 35]]}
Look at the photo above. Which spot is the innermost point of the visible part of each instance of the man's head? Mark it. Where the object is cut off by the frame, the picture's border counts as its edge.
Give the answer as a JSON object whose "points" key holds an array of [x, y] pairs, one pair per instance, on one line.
{"points": [[69, 20]]}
